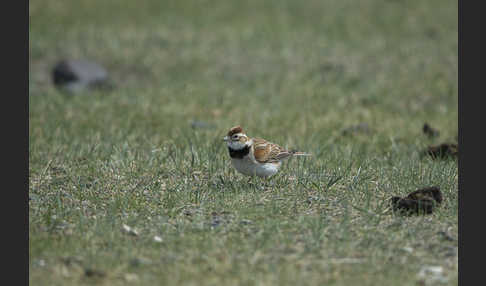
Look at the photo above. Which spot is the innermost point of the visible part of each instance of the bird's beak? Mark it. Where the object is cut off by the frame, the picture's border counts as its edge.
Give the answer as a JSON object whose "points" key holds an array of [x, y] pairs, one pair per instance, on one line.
{"points": [[226, 138]]}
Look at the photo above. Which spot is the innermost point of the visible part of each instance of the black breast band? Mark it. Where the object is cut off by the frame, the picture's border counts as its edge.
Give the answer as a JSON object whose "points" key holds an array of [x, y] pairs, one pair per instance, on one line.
{"points": [[239, 153]]}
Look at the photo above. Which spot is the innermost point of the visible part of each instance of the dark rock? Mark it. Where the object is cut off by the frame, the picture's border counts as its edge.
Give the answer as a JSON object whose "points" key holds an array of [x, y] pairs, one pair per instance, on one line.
{"points": [[94, 273], [404, 205], [78, 75], [423, 201], [429, 131], [427, 193], [442, 151]]}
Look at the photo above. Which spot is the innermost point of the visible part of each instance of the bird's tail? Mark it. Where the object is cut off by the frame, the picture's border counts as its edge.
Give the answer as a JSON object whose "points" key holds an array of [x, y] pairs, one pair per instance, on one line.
{"points": [[295, 153]]}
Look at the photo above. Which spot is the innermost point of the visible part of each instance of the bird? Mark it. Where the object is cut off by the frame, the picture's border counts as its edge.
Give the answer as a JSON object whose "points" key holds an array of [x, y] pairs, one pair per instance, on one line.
{"points": [[256, 156]]}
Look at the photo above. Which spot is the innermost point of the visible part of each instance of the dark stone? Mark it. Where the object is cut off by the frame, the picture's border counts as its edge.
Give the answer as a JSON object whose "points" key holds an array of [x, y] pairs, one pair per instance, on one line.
{"points": [[429, 131], [427, 193], [408, 206], [78, 75], [423, 201], [442, 151], [94, 273]]}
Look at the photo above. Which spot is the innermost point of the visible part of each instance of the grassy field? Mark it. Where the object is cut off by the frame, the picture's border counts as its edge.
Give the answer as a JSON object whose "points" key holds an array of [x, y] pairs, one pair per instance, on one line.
{"points": [[149, 154]]}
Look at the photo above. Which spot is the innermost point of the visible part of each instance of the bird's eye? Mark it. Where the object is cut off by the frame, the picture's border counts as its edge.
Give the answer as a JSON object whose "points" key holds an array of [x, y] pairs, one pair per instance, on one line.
{"points": [[235, 136]]}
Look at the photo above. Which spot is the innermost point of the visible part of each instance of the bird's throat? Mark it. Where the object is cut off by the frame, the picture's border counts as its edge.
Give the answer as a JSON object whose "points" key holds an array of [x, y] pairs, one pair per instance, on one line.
{"points": [[240, 153]]}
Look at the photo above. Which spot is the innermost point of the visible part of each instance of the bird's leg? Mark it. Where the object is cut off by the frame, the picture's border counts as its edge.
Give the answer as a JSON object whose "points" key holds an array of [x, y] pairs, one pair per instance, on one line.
{"points": [[267, 182]]}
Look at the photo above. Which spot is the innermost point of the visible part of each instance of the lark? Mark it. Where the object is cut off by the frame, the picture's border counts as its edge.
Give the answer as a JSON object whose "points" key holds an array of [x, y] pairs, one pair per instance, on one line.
{"points": [[256, 156]]}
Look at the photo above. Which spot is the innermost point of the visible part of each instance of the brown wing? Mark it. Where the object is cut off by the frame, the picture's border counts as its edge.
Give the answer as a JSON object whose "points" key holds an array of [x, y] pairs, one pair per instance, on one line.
{"points": [[261, 149], [267, 152]]}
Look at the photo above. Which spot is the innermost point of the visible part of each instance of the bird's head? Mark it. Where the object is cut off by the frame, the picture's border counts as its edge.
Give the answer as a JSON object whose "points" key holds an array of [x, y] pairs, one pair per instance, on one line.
{"points": [[236, 139]]}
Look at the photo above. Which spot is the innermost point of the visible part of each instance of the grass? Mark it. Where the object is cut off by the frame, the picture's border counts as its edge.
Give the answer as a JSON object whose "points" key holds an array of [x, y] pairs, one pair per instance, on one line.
{"points": [[295, 72]]}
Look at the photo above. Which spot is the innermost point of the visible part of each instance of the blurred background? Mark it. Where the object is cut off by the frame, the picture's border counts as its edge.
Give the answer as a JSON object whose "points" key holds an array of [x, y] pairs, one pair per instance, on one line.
{"points": [[272, 66]]}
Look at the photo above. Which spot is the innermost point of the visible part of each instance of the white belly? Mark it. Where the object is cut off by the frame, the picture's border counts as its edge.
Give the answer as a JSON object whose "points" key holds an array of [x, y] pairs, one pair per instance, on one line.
{"points": [[250, 168]]}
